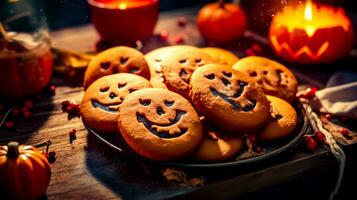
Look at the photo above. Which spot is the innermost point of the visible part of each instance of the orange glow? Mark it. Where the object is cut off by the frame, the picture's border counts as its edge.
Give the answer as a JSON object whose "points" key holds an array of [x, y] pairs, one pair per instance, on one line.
{"points": [[308, 10], [122, 6]]}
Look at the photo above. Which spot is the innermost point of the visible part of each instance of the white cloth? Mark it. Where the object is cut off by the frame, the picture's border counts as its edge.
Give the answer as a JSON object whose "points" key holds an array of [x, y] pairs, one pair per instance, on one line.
{"points": [[340, 95]]}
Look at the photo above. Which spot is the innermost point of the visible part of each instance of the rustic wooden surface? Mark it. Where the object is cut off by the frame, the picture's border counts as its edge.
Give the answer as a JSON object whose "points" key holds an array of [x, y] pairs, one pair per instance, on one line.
{"points": [[87, 169]]}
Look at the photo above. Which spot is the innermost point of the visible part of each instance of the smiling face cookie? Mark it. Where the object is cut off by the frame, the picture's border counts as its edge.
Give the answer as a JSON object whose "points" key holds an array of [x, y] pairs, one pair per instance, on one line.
{"points": [[282, 122], [179, 66], [101, 101], [276, 79], [116, 60], [229, 98], [159, 124]]}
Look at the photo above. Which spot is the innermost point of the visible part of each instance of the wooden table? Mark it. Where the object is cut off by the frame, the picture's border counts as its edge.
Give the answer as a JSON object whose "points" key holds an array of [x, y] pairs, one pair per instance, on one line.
{"points": [[87, 169]]}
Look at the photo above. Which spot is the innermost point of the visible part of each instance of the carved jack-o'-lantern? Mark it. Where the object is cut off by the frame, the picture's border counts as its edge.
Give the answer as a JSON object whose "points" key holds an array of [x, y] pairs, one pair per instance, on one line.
{"points": [[116, 60], [229, 98], [159, 124], [100, 104], [311, 34]]}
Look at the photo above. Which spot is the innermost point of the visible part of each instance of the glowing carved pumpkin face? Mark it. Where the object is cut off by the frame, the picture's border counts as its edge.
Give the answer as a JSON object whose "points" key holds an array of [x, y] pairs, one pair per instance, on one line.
{"points": [[311, 34]]}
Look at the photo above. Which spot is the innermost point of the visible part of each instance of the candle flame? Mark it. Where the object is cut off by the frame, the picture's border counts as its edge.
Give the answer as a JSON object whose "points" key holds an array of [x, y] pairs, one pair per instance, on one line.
{"points": [[308, 10], [122, 6]]}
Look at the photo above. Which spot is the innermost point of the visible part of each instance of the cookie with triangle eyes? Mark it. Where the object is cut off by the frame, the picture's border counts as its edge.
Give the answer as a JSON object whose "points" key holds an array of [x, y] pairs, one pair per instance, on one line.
{"points": [[159, 124], [179, 66], [177, 53], [221, 56], [101, 101], [229, 98], [216, 145], [120, 59], [275, 78], [282, 122]]}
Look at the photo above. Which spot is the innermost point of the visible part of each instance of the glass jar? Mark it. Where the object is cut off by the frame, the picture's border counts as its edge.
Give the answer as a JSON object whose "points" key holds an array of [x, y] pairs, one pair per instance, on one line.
{"points": [[25, 53]]}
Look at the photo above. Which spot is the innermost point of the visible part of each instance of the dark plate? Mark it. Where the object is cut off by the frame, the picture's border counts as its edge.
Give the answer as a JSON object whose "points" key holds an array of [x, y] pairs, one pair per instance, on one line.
{"points": [[117, 143]]}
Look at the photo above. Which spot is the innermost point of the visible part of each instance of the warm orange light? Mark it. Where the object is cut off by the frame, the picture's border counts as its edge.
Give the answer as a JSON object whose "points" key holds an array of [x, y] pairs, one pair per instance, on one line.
{"points": [[308, 10], [122, 6]]}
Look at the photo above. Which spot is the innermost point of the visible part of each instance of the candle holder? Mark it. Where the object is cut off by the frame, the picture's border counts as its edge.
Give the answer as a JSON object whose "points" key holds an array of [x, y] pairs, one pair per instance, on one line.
{"points": [[311, 34], [122, 22]]}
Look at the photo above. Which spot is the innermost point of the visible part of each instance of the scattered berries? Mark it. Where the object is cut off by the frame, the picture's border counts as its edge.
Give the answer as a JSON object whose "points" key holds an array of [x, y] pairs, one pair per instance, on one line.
{"points": [[328, 116], [258, 149], [164, 35], [182, 21], [311, 144], [10, 124], [252, 138], [28, 104], [71, 108], [250, 52], [178, 39], [320, 136], [344, 132], [27, 114], [15, 112], [308, 93]]}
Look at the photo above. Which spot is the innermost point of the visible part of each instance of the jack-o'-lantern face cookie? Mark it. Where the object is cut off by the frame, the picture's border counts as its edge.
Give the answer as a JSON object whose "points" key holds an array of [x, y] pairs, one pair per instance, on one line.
{"points": [[221, 56], [101, 101], [179, 66], [159, 124], [216, 146], [276, 79], [229, 98], [282, 122], [116, 60]]}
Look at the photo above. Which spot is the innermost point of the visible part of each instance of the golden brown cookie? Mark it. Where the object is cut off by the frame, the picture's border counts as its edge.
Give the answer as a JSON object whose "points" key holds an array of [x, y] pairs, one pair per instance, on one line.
{"points": [[154, 59], [100, 103], [276, 79], [177, 68], [221, 56], [116, 60], [229, 98], [216, 146], [283, 120], [159, 124]]}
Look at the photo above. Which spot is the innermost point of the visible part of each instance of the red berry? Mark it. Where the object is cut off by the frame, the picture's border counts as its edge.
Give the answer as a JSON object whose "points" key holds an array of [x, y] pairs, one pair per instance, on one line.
{"points": [[27, 114], [257, 48], [252, 138], [181, 21], [10, 124], [178, 39], [164, 35], [258, 149], [344, 132], [53, 89], [329, 116], [307, 138], [311, 92], [320, 136], [69, 108], [28, 104], [250, 52], [15, 112], [311, 144]]}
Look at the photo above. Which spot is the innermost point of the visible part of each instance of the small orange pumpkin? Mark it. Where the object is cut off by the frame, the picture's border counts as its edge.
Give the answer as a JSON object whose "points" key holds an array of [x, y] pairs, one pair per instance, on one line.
{"points": [[221, 22], [24, 172]]}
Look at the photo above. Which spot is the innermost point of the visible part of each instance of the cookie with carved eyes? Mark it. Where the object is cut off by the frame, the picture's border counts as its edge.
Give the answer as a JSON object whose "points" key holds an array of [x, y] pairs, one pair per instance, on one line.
{"points": [[221, 56], [101, 101], [216, 146], [159, 124], [282, 122], [179, 66], [276, 79], [180, 55], [116, 60], [229, 98]]}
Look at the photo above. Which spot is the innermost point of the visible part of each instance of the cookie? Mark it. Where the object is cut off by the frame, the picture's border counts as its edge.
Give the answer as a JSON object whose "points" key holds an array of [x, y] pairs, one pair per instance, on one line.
{"points": [[159, 124], [221, 56], [154, 59], [276, 79], [116, 60], [216, 146], [100, 103], [283, 120], [178, 67], [229, 98]]}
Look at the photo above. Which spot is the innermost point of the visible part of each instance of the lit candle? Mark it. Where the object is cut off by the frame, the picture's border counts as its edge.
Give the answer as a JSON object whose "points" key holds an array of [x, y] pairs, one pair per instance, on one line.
{"points": [[311, 34], [124, 21]]}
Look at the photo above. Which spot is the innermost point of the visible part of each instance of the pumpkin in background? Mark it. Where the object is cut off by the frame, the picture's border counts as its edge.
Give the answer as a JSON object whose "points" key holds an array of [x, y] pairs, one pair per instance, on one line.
{"points": [[221, 22], [24, 172], [310, 34]]}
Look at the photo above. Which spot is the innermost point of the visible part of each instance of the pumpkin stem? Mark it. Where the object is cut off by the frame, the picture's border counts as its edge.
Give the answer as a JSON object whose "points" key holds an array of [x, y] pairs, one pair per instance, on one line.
{"points": [[13, 149], [221, 3]]}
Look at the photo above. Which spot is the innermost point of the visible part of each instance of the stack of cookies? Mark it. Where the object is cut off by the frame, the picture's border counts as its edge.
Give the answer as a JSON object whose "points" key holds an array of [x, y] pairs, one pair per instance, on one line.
{"points": [[182, 101]]}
